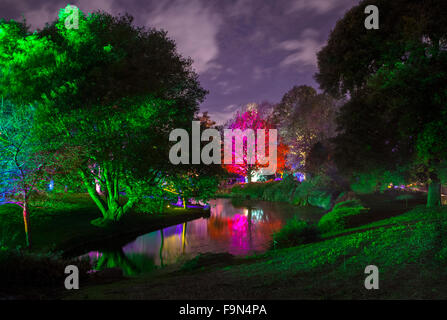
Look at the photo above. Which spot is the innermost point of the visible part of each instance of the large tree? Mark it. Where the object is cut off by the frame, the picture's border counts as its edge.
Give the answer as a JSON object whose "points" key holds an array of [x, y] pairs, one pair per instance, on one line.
{"points": [[252, 119], [110, 90], [396, 80], [304, 118]]}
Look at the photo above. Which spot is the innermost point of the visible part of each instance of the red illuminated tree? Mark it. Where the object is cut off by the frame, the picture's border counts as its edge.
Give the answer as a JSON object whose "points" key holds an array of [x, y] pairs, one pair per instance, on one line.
{"points": [[252, 119]]}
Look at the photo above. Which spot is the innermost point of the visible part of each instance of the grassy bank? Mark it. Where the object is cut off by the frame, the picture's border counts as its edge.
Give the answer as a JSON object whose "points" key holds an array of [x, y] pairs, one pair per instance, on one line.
{"points": [[409, 248], [288, 190], [63, 225]]}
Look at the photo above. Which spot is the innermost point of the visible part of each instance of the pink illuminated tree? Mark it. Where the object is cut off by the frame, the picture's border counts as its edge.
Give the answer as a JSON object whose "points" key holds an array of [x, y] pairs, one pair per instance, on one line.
{"points": [[252, 119]]}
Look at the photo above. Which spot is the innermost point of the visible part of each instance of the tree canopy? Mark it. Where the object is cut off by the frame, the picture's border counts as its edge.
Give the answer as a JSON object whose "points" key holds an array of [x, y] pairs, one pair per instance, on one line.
{"points": [[110, 90], [389, 74]]}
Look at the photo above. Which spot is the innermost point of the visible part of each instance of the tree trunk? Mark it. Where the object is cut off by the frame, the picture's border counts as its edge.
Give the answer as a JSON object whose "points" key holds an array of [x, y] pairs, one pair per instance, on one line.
{"points": [[434, 192], [110, 207], [249, 177], [26, 223]]}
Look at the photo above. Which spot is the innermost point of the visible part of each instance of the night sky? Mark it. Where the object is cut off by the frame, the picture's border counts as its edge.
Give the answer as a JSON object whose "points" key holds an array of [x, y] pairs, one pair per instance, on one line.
{"points": [[244, 50]]}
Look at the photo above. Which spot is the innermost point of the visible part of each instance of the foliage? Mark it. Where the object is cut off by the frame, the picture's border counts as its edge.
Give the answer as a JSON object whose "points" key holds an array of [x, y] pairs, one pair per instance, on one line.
{"points": [[23, 165], [388, 81], [310, 190], [337, 219], [106, 94], [353, 53], [294, 233], [376, 180], [253, 190], [282, 191], [252, 119], [313, 191], [304, 118]]}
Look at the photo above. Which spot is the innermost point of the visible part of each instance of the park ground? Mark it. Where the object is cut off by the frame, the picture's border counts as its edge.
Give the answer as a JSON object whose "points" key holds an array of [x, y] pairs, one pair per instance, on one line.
{"points": [[62, 225], [406, 241], [407, 244]]}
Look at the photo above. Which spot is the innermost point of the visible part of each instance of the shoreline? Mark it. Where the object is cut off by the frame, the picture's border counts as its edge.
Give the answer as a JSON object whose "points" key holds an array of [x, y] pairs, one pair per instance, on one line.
{"points": [[117, 236]]}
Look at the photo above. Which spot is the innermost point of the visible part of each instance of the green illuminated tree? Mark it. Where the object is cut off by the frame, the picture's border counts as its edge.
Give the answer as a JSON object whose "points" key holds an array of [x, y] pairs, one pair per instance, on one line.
{"points": [[22, 165], [109, 90]]}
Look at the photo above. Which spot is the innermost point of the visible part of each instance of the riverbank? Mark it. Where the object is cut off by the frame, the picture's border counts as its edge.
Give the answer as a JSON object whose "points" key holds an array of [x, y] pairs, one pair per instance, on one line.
{"points": [[63, 225], [409, 247], [288, 190]]}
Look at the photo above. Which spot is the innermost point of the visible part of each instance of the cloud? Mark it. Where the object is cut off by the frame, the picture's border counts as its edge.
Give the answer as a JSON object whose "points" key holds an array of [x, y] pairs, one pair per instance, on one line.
{"points": [[260, 73], [194, 27], [230, 107], [37, 18], [221, 117], [304, 49], [49, 11], [317, 6], [227, 88], [240, 8], [193, 24]]}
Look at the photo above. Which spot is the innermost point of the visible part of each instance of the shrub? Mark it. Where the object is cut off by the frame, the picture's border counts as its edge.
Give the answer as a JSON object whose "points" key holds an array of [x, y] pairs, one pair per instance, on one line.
{"points": [[253, 190], [150, 205], [375, 180], [337, 218], [280, 191], [294, 233], [312, 192], [320, 199]]}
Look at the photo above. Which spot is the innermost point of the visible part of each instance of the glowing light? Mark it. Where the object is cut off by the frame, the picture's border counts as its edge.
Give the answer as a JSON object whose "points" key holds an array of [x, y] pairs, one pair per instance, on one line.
{"points": [[300, 176]]}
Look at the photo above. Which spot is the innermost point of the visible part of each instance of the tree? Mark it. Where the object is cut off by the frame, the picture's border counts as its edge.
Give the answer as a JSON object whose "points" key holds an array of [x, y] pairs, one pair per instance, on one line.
{"points": [[251, 119], [197, 181], [22, 165], [389, 75], [111, 91], [304, 118]]}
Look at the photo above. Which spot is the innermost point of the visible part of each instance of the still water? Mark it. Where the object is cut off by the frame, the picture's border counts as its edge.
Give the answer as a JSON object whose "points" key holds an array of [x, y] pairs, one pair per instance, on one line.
{"points": [[239, 228]]}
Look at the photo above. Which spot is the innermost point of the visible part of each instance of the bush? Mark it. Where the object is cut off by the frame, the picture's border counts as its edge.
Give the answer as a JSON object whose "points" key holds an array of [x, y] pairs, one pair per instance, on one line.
{"points": [[150, 205], [336, 220], [321, 199], [310, 192], [253, 190], [313, 192], [280, 191], [375, 180], [294, 233]]}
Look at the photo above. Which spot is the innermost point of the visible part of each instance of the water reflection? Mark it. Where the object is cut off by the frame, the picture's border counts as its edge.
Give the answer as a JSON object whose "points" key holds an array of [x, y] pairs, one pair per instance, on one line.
{"points": [[238, 228]]}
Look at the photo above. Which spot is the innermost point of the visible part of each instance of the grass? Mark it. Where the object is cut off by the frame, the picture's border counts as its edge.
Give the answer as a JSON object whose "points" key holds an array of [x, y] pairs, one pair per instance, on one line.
{"points": [[62, 224], [295, 232], [409, 249]]}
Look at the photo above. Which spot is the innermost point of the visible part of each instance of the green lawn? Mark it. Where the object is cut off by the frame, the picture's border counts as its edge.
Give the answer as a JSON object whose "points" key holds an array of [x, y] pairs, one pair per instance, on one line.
{"points": [[62, 223], [410, 251]]}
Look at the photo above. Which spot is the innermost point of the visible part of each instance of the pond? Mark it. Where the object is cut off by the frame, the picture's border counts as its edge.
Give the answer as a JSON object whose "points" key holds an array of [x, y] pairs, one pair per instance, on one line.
{"points": [[238, 227]]}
